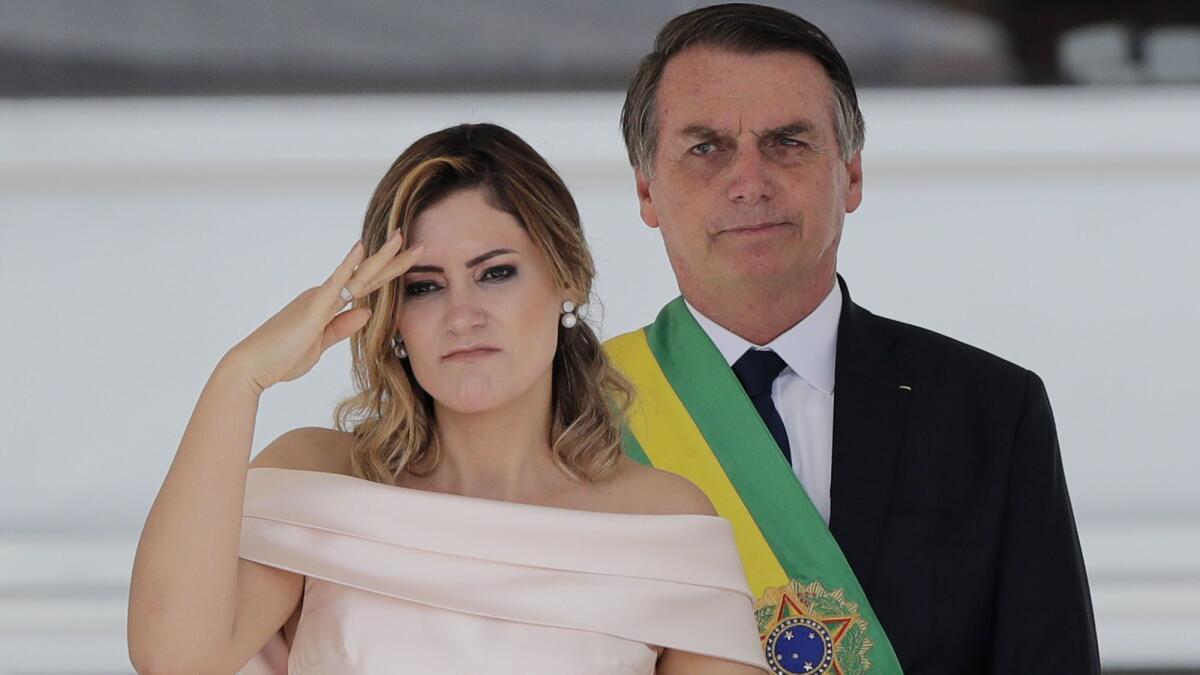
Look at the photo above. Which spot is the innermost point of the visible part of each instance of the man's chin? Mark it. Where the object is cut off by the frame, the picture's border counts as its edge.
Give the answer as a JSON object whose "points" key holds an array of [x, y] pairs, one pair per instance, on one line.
{"points": [[761, 267]]}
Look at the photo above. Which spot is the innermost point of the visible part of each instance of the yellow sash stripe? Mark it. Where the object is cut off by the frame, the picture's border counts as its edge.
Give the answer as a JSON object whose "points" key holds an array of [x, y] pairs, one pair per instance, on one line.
{"points": [[671, 441]]}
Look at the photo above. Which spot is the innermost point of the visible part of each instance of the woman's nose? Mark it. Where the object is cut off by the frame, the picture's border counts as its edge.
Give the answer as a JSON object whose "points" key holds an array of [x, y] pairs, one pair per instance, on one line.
{"points": [[466, 312]]}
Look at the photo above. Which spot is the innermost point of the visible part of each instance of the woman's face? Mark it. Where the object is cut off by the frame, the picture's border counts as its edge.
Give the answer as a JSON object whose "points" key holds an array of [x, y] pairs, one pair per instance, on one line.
{"points": [[481, 307]]}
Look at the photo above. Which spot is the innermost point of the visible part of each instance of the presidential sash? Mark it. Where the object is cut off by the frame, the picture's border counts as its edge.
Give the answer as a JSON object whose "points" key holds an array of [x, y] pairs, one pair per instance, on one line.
{"points": [[692, 417]]}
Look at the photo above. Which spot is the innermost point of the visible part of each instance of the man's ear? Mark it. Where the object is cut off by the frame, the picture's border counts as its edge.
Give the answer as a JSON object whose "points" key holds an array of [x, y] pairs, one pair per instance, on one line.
{"points": [[854, 175], [645, 201]]}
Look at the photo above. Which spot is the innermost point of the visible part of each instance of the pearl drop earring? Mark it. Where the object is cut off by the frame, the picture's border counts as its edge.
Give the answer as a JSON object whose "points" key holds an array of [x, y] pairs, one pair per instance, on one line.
{"points": [[568, 319]]}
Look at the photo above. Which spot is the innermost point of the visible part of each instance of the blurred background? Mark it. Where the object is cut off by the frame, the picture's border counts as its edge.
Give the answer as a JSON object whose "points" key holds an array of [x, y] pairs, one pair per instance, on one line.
{"points": [[171, 173]]}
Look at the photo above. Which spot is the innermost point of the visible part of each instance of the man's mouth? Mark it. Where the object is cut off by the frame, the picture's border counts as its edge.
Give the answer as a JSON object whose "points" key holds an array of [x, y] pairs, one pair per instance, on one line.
{"points": [[754, 228]]}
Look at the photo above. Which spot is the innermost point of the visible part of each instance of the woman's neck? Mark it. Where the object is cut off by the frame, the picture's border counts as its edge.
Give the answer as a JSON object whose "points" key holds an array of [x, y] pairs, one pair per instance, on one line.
{"points": [[502, 454]]}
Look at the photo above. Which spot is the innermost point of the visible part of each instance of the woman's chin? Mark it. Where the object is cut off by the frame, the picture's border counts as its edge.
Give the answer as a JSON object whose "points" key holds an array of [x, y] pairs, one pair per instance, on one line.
{"points": [[470, 407], [475, 396]]}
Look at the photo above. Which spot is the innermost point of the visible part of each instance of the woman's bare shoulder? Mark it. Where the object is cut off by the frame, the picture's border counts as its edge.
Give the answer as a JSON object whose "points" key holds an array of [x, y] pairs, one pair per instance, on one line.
{"points": [[645, 489], [308, 449]]}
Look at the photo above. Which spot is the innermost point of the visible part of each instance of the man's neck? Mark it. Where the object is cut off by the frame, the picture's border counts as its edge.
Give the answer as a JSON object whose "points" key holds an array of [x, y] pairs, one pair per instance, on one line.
{"points": [[759, 315]]}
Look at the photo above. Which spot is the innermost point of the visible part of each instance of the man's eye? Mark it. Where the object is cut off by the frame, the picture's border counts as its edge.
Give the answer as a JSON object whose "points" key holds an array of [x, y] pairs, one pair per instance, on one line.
{"points": [[498, 273], [419, 288], [791, 142], [704, 149]]}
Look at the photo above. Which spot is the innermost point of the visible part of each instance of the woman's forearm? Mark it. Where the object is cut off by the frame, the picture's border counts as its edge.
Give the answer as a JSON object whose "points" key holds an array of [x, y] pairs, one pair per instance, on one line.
{"points": [[183, 594]]}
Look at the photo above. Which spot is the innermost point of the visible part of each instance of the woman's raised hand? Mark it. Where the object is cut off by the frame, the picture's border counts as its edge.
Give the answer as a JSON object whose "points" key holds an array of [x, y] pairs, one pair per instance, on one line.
{"points": [[290, 343]]}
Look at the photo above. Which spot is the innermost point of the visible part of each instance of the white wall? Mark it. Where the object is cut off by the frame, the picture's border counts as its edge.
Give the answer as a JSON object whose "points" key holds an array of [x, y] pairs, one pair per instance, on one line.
{"points": [[141, 239]]}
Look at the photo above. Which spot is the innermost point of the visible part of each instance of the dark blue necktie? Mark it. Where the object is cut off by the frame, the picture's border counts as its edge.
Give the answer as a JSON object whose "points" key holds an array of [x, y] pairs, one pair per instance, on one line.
{"points": [[757, 370]]}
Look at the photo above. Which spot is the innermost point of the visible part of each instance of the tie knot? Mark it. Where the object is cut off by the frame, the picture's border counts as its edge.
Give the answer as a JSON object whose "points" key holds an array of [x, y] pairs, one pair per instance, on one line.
{"points": [[757, 370]]}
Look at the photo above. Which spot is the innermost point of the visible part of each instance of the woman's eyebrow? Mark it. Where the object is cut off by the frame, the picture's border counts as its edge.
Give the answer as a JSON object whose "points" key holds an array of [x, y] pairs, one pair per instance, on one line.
{"points": [[487, 256], [483, 257]]}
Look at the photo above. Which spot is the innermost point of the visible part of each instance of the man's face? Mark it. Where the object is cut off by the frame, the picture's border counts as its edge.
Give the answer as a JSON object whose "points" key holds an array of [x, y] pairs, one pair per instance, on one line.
{"points": [[749, 184]]}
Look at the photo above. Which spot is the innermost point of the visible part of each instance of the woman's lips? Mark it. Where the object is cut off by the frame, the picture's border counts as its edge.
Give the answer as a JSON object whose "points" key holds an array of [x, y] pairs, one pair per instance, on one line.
{"points": [[470, 354]]}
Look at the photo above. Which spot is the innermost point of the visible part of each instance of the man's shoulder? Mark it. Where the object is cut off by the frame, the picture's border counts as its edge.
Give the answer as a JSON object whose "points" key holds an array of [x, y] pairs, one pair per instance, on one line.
{"points": [[936, 354], [962, 382]]}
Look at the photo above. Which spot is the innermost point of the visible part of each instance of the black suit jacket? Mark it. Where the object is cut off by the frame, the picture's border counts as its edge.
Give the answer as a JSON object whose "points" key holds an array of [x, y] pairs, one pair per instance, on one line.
{"points": [[949, 501]]}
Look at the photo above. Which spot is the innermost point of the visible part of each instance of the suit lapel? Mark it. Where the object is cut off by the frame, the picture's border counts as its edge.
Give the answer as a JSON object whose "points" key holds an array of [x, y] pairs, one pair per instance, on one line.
{"points": [[870, 417]]}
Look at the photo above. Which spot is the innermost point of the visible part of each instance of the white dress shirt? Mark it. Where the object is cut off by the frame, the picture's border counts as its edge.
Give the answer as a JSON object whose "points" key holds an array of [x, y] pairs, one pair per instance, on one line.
{"points": [[803, 392]]}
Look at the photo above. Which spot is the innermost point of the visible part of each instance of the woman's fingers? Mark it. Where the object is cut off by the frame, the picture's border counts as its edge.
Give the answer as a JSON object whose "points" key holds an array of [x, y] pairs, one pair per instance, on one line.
{"points": [[331, 290], [344, 325], [370, 267], [396, 267], [356, 277]]}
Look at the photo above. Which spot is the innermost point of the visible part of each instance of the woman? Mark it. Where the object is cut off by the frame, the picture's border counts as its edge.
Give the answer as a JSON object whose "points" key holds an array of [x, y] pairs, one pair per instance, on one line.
{"points": [[473, 510]]}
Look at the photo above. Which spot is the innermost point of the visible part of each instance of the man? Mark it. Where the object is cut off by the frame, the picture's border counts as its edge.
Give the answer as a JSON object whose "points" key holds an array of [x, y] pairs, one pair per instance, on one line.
{"points": [[898, 497]]}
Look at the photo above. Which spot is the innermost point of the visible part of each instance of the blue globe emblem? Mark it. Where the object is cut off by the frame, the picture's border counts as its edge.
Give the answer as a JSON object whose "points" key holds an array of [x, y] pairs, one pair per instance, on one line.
{"points": [[799, 646]]}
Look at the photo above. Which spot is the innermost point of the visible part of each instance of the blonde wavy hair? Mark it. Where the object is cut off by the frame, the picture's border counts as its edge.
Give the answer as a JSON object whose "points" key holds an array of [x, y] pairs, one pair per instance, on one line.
{"points": [[390, 414]]}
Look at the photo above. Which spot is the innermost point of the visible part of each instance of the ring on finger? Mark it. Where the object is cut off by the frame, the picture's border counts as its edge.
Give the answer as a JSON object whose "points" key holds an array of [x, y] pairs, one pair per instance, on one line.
{"points": [[347, 296]]}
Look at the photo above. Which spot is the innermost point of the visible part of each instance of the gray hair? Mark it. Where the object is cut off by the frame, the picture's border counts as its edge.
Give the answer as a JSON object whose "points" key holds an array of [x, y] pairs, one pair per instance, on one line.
{"points": [[743, 28]]}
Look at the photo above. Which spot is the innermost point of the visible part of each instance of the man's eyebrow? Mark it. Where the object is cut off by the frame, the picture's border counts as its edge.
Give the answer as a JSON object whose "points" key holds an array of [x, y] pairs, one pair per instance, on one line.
{"points": [[483, 257], [797, 128], [699, 131]]}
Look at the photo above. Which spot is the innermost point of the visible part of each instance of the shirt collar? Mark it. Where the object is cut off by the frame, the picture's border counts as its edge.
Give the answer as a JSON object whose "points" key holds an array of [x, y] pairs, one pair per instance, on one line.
{"points": [[809, 348]]}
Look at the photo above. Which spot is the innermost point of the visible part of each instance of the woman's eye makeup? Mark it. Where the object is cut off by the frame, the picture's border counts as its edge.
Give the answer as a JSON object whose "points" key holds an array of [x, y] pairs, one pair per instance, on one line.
{"points": [[498, 273], [493, 274], [419, 287]]}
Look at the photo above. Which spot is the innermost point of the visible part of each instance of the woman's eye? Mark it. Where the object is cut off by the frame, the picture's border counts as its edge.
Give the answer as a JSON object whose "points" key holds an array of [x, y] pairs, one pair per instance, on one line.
{"points": [[498, 273], [419, 288]]}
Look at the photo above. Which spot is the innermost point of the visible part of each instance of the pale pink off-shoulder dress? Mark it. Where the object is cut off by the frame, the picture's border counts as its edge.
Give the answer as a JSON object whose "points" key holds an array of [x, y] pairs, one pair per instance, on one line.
{"points": [[409, 581]]}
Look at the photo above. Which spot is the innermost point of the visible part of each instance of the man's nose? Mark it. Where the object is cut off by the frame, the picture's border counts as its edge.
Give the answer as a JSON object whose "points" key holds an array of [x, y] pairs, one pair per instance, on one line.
{"points": [[749, 177]]}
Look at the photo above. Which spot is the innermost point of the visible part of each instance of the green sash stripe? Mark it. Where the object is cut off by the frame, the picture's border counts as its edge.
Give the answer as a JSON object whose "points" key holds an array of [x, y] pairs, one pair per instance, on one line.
{"points": [[632, 447], [737, 434], [749, 455]]}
